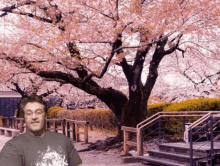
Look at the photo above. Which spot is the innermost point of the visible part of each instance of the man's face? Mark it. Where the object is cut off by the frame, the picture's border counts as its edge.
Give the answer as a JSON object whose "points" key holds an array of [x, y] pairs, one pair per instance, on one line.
{"points": [[35, 118]]}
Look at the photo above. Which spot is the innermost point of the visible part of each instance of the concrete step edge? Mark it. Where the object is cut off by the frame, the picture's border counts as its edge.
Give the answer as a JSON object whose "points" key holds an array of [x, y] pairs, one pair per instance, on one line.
{"points": [[176, 154], [156, 160]]}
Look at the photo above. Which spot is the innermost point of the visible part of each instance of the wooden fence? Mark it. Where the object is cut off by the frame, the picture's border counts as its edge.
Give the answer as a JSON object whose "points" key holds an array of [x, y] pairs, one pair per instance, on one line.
{"points": [[53, 125]]}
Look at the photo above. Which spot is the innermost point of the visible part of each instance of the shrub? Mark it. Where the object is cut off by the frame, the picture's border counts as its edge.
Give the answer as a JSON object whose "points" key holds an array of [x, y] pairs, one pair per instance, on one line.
{"points": [[97, 118], [52, 112], [195, 105], [201, 104], [154, 108]]}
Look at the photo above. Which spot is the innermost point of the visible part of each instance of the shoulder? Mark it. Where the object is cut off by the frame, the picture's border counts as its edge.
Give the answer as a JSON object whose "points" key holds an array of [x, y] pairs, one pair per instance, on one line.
{"points": [[13, 145], [15, 141]]}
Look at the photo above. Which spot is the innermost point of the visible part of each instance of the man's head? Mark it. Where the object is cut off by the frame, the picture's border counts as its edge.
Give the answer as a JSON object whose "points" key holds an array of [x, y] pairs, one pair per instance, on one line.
{"points": [[34, 110]]}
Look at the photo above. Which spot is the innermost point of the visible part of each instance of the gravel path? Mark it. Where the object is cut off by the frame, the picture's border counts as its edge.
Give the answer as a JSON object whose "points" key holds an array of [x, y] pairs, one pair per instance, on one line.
{"points": [[93, 157]]}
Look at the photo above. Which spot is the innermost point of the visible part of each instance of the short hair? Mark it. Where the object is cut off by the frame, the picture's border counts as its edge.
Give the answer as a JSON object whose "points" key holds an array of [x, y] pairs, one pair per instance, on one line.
{"points": [[29, 99]]}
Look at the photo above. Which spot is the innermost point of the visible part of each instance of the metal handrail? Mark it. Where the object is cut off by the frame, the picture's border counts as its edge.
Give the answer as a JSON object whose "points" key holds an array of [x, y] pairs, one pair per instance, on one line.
{"points": [[147, 119], [175, 112], [158, 116], [197, 122]]}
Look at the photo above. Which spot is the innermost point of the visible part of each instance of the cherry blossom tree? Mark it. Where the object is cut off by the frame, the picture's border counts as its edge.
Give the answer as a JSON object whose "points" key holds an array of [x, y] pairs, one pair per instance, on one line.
{"points": [[79, 41]]}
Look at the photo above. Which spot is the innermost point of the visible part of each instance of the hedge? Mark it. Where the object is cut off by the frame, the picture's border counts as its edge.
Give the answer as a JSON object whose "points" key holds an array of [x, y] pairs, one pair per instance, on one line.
{"points": [[52, 112], [154, 108], [200, 104], [104, 119]]}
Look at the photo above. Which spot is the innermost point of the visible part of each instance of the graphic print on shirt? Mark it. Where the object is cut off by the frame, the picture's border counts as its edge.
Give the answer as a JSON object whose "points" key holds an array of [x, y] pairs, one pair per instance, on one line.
{"points": [[51, 158]]}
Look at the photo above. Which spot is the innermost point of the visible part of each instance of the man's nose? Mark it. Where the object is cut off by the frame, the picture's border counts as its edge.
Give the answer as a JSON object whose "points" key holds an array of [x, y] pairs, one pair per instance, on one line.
{"points": [[34, 116]]}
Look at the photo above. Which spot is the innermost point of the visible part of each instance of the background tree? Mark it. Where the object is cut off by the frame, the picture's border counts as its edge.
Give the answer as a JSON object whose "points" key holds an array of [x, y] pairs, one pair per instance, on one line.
{"points": [[78, 41]]}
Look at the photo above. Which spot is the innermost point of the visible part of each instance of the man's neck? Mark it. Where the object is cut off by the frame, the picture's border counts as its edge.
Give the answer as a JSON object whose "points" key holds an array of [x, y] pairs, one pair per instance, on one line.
{"points": [[38, 134]]}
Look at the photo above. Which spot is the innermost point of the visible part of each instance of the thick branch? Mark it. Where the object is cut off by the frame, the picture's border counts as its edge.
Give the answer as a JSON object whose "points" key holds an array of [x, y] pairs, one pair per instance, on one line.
{"points": [[18, 89], [115, 46], [126, 69], [57, 80], [48, 92], [172, 49], [54, 18]]}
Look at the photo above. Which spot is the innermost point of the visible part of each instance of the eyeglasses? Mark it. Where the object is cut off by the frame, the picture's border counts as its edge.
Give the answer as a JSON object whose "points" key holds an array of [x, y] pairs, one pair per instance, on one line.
{"points": [[38, 113]]}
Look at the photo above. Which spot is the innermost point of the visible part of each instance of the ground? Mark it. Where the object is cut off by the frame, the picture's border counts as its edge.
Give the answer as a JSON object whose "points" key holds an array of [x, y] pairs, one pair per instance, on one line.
{"points": [[94, 157]]}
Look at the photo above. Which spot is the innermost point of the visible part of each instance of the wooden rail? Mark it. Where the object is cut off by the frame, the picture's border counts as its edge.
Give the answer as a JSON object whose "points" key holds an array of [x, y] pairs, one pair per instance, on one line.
{"points": [[126, 131], [75, 129], [20, 125], [55, 123], [5, 121]]}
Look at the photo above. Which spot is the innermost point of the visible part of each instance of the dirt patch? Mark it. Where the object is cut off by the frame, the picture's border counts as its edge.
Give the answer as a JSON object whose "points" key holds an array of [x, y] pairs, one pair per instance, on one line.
{"points": [[93, 157]]}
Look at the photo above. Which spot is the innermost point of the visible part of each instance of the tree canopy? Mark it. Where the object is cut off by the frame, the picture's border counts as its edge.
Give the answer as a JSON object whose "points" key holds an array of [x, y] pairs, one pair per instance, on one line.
{"points": [[78, 41]]}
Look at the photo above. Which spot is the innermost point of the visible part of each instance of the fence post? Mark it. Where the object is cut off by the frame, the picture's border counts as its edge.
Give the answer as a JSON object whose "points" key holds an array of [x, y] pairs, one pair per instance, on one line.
{"points": [[126, 150], [54, 125], [63, 126], [74, 130], [184, 124], [141, 137], [68, 127], [159, 129], [139, 142], [13, 122], [86, 133], [207, 133], [21, 125], [16, 123], [191, 148], [211, 130]]}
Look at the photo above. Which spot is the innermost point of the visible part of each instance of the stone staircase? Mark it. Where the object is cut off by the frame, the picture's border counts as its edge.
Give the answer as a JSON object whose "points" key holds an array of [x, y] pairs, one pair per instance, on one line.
{"points": [[178, 154]]}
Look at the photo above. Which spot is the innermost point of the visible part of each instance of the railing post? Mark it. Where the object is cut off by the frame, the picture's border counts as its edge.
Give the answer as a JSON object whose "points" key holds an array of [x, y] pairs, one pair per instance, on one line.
{"points": [[159, 129], [16, 123], [10, 122], [141, 136], [184, 124], [76, 132], [211, 130], [63, 126], [86, 133], [139, 142], [126, 150], [21, 125], [191, 147], [13, 122], [207, 133], [8, 125], [68, 127], [54, 125]]}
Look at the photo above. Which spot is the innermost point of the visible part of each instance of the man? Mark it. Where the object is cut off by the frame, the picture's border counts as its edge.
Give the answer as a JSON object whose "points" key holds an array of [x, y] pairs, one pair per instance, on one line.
{"points": [[38, 146]]}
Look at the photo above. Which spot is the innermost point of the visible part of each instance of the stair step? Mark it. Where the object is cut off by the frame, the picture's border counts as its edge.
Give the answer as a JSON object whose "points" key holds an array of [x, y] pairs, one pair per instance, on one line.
{"points": [[174, 155], [199, 146], [182, 148], [161, 161], [177, 154]]}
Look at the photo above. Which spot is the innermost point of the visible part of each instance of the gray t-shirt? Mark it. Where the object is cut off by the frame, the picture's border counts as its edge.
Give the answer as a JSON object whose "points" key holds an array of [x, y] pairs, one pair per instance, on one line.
{"points": [[52, 149]]}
